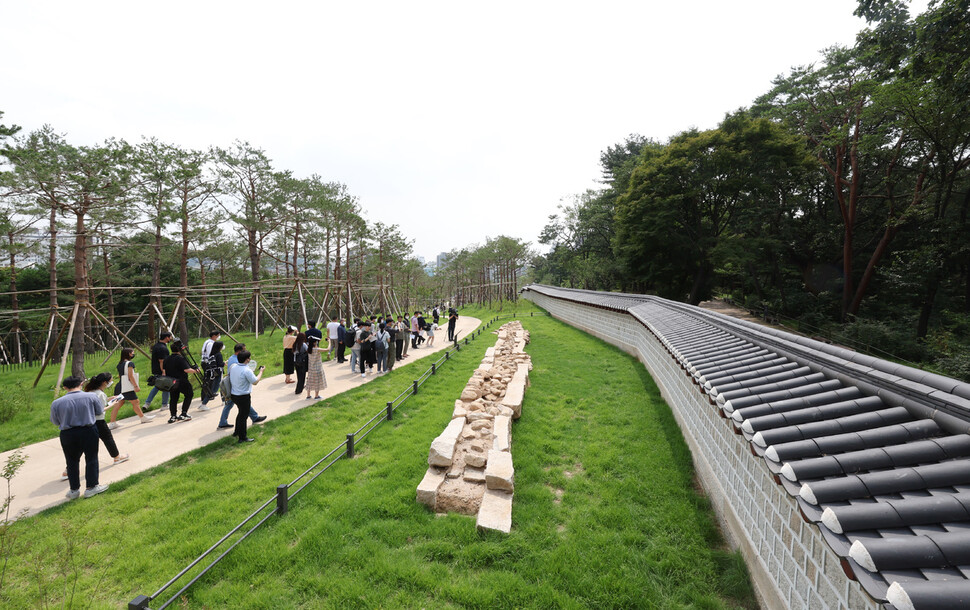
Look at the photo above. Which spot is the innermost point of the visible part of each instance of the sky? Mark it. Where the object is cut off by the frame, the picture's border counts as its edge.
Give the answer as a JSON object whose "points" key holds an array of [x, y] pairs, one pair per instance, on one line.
{"points": [[457, 121]]}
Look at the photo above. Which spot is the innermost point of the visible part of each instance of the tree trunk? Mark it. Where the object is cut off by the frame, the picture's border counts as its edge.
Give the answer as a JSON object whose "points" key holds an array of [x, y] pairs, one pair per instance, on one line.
{"points": [[80, 295], [183, 276], [14, 304]]}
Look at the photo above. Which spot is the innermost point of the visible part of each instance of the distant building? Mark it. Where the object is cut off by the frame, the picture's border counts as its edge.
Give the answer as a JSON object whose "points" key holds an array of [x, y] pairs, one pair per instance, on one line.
{"points": [[37, 246]]}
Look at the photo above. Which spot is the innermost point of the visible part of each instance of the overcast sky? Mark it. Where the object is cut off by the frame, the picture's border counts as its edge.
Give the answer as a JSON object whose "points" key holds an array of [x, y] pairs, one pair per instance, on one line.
{"points": [[454, 120]]}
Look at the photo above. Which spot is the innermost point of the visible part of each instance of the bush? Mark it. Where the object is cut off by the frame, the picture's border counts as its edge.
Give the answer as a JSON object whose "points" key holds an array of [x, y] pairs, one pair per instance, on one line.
{"points": [[13, 400]]}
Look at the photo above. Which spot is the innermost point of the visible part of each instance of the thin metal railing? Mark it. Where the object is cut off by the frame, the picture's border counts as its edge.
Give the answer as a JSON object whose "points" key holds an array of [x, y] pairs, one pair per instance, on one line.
{"points": [[343, 450]]}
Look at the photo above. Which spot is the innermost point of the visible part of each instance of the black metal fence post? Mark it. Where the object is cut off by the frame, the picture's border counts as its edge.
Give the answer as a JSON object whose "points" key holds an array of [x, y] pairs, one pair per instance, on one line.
{"points": [[282, 499], [414, 387], [139, 603], [433, 367], [350, 445], [390, 411]]}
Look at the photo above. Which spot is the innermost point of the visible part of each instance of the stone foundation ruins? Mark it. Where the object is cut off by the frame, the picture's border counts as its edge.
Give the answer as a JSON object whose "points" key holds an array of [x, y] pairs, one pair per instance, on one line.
{"points": [[470, 464]]}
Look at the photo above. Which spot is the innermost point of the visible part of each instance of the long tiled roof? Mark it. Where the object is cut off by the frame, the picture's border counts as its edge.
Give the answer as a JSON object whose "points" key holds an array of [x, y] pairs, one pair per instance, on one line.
{"points": [[875, 453]]}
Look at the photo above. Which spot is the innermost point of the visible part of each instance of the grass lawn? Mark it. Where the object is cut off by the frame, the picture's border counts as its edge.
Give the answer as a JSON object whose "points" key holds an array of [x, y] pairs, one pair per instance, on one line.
{"points": [[605, 513], [25, 411]]}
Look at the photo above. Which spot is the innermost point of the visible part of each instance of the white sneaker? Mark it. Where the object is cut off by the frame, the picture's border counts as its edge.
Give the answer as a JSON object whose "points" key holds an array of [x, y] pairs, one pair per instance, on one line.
{"points": [[147, 418], [203, 408], [363, 374], [90, 493], [74, 493], [113, 425]]}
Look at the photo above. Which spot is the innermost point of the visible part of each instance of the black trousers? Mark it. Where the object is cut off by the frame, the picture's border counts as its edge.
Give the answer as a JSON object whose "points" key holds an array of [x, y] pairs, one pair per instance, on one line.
{"points": [[300, 380], [340, 352], [398, 348], [104, 432], [243, 403], [367, 356], [76, 442], [183, 387], [451, 332]]}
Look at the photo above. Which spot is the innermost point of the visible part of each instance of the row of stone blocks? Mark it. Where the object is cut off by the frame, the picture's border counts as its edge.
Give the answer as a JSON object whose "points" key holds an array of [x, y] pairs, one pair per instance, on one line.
{"points": [[470, 466]]}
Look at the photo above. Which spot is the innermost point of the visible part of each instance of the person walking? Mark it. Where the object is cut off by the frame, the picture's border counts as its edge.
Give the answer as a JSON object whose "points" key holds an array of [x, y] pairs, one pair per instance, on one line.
{"points": [[75, 414], [380, 348], [402, 337], [224, 418], [241, 382], [316, 380], [452, 321], [392, 345], [212, 370], [435, 315], [178, 367], [341, 341], [301, 361], [97, 385], [128, 388], [354, 345], [414, 331], [365, 341], [431, 328], [207, 346], [159, 354], [288, 339]]}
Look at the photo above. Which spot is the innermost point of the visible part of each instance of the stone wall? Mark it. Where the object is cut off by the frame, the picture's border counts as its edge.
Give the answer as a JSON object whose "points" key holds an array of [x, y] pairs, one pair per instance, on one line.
{"points": [[790, 564]]}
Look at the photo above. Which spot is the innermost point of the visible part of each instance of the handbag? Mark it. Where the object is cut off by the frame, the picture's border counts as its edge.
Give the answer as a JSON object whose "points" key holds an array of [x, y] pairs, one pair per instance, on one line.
{"points": [[164, 382], [126, 385]]}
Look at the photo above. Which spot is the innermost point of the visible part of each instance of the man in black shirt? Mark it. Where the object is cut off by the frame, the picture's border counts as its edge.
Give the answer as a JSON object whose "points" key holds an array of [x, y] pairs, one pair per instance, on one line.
{"points": [[159, 354]]}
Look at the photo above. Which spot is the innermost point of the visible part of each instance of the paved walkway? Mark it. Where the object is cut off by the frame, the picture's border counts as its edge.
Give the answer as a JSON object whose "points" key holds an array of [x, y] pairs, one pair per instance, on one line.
{"points": [[37, 485]]}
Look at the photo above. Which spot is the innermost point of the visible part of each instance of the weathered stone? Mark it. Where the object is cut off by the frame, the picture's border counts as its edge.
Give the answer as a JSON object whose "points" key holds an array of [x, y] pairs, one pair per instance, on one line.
{"points": [[490, 352], [480, 424], [443, 448], [502, 434], [460, 410], [470, 394], [479, 415], [474, 475], [475, 459], [513, 397], [454, 473], [428, 488], [469, 434], [479, 447], [506, 411], [495, 512], [499, 473]]}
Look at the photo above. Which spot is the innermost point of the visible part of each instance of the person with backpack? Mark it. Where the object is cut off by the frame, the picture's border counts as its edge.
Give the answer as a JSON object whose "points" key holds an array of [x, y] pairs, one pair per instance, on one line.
{"points": [[226, 390], [212, 370], [159, 354], [365, 341], [207, 346], [301, 361], [380, 348], [352, 333]]}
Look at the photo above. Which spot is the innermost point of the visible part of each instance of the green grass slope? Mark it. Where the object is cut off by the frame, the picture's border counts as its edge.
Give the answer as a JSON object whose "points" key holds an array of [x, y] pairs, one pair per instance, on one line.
{"points": [[605, 513]]}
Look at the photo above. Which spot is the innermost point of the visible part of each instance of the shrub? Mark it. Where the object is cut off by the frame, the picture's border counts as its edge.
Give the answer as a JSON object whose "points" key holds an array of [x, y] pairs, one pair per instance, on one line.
{"points": [[13, 400]]}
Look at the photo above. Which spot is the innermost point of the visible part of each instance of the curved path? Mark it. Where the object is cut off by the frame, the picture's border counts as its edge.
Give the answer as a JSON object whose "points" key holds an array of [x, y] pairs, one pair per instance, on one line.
{"points": [[37, 485]]}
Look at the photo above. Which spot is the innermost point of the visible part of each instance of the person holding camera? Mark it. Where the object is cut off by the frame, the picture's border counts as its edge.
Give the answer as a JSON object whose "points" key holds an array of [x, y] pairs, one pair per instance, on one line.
{"points": [[452, 320], [241, 382]]}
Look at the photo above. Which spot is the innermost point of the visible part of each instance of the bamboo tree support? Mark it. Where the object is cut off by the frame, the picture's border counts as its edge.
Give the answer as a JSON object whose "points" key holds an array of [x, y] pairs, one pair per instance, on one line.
{"points": [[205, 315], [70, 335], [273, 314], [246, 309], [50, 352], [50, 329], [286, 302], [299, 290], [100, 316], [119, 341]]}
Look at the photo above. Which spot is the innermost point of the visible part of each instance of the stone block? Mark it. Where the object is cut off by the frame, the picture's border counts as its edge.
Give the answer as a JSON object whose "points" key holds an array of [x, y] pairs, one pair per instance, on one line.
{"points": [[475, 460], [499, 473], [514, 394], [474, 475], [479, 415], [502, 433], [443, 448], [495, 512], [460, 410], [428, 487]]}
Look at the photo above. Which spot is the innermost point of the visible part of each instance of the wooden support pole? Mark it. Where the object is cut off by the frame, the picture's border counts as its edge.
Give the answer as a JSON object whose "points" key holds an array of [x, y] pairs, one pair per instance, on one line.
{"points": [[70, 335]]}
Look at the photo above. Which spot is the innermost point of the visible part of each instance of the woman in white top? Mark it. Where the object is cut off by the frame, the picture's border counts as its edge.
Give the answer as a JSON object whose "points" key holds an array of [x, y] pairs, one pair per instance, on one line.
{"points": [[97, 385]]}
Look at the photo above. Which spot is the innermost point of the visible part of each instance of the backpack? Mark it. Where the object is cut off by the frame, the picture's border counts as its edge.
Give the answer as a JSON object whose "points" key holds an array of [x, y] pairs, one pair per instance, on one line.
{"points": [[301, 359]]}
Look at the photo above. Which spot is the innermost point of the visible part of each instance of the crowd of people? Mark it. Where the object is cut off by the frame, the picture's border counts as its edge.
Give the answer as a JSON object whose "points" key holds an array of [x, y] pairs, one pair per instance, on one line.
{"points": [[377, 341]]}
